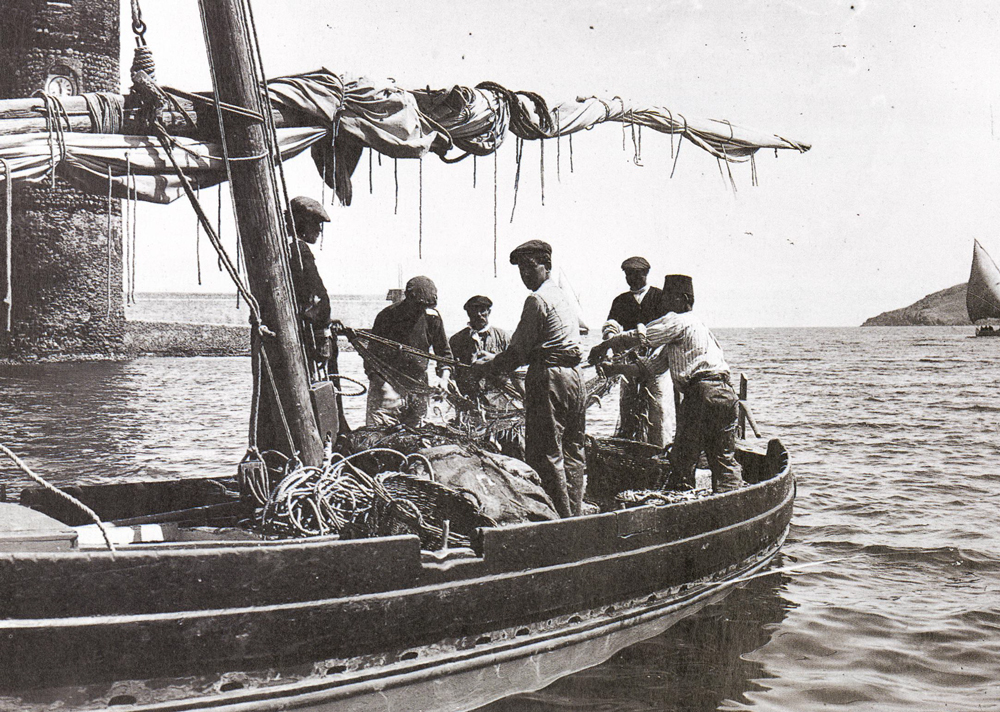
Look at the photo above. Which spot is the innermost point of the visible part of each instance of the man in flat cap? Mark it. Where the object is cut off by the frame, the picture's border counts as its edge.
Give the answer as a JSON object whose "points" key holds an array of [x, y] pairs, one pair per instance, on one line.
{"points": [[479, 338], [547, 338], [641, 415], [413, 321], [707, 416], [306, 217]]}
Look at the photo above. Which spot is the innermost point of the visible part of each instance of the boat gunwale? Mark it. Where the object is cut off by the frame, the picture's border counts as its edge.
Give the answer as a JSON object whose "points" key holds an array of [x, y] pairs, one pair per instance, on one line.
{"points": [[209, 547], [164, 616], [298, 693]]}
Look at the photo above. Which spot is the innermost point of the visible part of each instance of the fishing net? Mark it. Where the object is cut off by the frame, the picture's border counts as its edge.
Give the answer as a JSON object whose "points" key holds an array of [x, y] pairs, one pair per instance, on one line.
{"points": [[640, 498], [494, 421]]}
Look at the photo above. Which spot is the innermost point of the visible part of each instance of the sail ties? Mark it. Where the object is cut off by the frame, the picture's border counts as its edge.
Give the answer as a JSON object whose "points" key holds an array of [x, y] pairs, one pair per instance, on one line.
{"points": [[55, 114]]}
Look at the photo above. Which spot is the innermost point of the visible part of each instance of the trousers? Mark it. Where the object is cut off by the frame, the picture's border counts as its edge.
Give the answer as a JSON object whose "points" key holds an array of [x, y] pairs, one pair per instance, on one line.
{"points": [[555, 421], [706, 422]]}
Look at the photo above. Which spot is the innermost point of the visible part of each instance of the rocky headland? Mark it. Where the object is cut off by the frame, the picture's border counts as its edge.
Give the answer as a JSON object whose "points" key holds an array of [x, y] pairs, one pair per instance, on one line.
{"points": [[944, 308]]}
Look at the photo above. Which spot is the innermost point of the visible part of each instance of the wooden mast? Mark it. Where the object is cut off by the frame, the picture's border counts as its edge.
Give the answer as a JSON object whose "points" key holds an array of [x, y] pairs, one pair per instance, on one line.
{"points": [[261, 232]]}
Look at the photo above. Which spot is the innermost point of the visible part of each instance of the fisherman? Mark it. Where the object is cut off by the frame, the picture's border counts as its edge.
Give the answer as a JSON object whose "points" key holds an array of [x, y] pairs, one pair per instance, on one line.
{"points": [[414, 322], [547, 339], [477, 339], [641, 412], [306, 217], [706, 419]]}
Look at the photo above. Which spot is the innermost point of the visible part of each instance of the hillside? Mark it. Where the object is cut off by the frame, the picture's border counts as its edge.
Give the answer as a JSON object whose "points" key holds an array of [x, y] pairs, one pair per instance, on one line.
{"points": [[944, 308]]}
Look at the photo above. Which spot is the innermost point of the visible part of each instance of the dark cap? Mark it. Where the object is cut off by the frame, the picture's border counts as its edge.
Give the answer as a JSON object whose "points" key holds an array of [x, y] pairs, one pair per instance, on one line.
{"points": [[678, 284], [478, 301], [639, 263], [531, 247], [304, 207], [422, 289]]}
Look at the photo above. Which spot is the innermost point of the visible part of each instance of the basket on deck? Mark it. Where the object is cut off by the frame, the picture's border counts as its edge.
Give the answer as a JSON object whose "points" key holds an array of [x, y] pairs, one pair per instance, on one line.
{"points": [[615, 465], [421, 506]]}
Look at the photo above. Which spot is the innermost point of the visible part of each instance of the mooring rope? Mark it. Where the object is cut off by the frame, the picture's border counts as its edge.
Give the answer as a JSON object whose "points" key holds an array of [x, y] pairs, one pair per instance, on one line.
{"points": [[52, 488]]}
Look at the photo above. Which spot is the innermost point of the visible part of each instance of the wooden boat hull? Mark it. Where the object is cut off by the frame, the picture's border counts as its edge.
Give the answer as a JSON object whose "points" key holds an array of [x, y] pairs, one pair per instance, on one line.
{"points": [[347, 619]]}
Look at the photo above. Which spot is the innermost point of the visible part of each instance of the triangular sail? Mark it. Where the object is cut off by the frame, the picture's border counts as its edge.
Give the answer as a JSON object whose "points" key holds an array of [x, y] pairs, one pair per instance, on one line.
{"points": [[983, 296]]}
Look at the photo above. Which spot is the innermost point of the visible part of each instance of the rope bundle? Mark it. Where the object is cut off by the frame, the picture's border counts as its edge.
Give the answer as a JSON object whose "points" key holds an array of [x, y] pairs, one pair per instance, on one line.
{"points": [[341, 498]]}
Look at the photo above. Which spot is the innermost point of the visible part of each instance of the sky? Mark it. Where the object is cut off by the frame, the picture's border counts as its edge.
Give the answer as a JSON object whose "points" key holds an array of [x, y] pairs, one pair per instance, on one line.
{"points": [[898, 101]]}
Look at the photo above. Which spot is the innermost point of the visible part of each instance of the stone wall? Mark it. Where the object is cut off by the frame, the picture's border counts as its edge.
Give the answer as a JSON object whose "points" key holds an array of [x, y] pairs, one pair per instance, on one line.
{"points": [[148, 338], [67, 287]]}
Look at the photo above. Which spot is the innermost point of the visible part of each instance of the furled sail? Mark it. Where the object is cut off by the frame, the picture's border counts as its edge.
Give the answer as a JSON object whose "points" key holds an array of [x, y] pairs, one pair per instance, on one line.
{"points": [[983, 296], [336, 115]]}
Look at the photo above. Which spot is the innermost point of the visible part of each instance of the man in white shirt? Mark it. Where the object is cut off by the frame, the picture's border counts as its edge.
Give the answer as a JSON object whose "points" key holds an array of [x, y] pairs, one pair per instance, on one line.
{"points": [[707, 416], [548, 339]]}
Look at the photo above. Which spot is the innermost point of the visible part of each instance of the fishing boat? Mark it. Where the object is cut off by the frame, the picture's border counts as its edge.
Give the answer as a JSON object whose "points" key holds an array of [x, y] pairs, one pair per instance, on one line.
{"points": [[983, 296], [169, 603], [211, 618]]}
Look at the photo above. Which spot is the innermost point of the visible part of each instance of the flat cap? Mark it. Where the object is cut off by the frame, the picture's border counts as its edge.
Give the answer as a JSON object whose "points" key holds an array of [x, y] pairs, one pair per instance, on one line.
{"points": [[678, 284], [305, 207], [531, 247], [636, 263], [478, 301], [423, 290]]}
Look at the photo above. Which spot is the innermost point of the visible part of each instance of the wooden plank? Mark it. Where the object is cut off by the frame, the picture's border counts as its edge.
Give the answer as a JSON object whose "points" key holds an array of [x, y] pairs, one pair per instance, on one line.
{"points": [[210, 577]]}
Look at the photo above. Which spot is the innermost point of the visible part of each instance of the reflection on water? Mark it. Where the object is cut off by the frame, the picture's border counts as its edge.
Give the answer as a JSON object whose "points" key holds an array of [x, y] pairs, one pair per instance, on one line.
{"points": [[695, 666]]}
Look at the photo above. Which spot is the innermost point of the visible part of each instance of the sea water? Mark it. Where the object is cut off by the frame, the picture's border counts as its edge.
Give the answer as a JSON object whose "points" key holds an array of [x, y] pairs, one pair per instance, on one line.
{"points": [[894, 434]]}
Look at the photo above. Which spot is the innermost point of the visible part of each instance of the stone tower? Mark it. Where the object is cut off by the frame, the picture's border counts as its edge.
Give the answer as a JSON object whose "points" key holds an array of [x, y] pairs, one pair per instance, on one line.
{"points": [[66, 271]]}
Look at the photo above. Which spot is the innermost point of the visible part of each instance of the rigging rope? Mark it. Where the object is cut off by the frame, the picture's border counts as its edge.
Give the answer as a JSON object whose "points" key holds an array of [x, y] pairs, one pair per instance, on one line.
{"points": [[420, 212], [126, 224], [558, 147], [518, 148], [8, 199], [494, 214], [541, 167], [197, 238], [110, 185]]}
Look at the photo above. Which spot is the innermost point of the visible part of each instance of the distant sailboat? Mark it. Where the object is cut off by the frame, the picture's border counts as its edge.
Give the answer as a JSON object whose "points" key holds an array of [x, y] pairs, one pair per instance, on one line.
{"points": [[983, 296]]}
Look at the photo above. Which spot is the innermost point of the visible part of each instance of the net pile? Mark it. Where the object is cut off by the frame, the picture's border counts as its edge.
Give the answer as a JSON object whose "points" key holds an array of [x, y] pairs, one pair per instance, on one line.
{"points": [[639, 498]]}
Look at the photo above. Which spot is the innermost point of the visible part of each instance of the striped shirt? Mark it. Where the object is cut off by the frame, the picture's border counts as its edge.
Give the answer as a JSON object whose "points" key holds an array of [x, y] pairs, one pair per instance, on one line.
{"points": [[685, 346]]}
